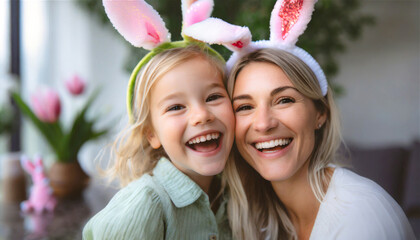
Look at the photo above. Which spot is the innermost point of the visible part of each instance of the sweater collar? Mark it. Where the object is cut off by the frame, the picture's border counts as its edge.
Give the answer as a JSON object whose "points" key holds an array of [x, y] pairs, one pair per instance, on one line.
{"points": [[181, 189]]}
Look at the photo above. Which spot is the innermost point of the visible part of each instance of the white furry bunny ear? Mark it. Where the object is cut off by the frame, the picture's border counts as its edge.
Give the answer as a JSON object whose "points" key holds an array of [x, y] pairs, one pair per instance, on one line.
{"points": [[137, 22], [194, 11], [217, 31], [289, 19], [199, 26]]}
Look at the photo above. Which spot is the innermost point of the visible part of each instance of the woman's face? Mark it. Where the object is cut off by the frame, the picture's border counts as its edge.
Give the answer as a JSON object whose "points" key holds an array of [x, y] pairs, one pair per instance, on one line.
{"points": [[275, 123]]}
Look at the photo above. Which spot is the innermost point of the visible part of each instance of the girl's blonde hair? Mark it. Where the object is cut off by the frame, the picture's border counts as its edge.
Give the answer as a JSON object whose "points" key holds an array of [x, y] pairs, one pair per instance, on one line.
{"points": [[255, 212], [131, 152]]}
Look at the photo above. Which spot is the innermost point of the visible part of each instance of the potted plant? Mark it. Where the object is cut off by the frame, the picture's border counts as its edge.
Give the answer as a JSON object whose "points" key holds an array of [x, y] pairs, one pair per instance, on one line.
{"points": [[66, 176]]}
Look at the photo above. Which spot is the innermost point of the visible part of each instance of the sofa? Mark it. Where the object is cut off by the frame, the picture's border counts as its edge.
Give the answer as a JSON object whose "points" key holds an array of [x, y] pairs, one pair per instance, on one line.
{"points": [[397, 170]]}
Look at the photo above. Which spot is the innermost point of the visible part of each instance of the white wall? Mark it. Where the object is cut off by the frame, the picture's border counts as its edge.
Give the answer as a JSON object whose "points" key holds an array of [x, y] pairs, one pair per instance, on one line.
{"points": [[381, 76]]}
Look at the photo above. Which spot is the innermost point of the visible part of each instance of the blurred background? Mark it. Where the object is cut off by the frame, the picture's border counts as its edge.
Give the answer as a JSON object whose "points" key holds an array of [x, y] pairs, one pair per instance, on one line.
{"points": [[370, 51]]}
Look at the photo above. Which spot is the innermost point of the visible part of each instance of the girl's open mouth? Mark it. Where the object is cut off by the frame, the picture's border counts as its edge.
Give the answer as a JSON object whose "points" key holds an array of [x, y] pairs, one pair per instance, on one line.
{"points": [[273, 145], [205, 143]]}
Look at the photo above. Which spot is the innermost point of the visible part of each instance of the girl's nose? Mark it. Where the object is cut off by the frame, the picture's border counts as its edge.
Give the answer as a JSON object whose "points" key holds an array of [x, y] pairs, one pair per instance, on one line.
{"points": [[264, 120], [200, 114]]}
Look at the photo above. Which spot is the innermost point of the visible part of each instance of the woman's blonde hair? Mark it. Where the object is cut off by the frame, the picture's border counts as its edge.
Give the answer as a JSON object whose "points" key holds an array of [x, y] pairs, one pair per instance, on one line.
{"points": [[255, 212], [132, 155]]}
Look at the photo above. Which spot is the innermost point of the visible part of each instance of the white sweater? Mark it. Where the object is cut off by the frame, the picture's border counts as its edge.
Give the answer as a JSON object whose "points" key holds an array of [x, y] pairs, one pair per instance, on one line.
{"points": [[357, 208]]}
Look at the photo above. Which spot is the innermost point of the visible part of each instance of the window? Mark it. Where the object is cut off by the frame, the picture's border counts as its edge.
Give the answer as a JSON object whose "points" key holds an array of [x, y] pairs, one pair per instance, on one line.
{"points": [[4, 40]]}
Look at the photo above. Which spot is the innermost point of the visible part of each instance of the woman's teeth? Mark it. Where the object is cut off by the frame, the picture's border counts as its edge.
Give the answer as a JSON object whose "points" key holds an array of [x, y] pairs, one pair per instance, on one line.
{"points": [[204, 138], [273, 143]]}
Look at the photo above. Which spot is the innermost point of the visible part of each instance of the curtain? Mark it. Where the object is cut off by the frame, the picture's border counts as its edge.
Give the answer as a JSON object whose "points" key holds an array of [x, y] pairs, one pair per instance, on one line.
{"points": [[4, 47], [34, 66]]}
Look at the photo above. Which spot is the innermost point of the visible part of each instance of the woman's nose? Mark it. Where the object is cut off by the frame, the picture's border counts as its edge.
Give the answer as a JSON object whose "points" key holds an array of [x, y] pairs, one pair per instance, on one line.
{"points": [[200, 114], [264, 120]]}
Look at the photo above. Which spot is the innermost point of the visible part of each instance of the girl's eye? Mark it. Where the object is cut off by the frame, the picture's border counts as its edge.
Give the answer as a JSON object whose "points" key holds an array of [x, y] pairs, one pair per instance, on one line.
{"points": [[285, 100], [243, 108], [213, 97], [174, 108]]}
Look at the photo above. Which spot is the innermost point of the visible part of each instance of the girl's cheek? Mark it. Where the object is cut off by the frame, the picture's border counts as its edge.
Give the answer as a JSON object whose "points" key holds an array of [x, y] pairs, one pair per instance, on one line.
{"points": [[239, 128], [228, 112]]}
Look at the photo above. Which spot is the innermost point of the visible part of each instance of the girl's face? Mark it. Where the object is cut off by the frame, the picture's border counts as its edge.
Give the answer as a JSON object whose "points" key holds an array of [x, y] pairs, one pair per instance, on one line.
{"points": [[192, 118], [275, 123]]}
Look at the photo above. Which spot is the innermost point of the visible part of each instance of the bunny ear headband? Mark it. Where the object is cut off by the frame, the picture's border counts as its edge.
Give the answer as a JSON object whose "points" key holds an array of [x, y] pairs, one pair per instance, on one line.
{"points": [[142, 26], [289, 19]]}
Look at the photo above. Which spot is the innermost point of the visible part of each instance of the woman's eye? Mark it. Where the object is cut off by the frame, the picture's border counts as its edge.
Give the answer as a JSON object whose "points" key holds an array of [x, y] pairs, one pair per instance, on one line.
{"points": [[285, 100], [213, 97], [174, 108], [243, 108]]}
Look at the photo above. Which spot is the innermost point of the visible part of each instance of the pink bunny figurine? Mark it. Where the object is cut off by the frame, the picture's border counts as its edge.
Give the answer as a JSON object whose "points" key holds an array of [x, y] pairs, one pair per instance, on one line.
{"points": [[41, 197]]}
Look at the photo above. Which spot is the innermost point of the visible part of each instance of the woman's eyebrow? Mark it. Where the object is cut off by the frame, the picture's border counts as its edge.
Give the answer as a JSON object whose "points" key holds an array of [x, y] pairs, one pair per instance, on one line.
{"points": [[240, 97], [274, 92], [281, 89]]}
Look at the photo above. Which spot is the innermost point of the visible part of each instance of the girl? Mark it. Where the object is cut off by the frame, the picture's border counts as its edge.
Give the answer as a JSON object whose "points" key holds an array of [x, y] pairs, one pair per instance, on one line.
{"points": [[181, 139], [180, 136]]}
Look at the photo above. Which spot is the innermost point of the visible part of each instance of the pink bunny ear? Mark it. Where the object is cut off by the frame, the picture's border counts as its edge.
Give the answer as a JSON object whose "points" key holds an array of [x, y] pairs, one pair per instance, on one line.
{"points": [[38, 161], [217, 31], [137, 22], [289, 19], [27, 164], [195, 11]]}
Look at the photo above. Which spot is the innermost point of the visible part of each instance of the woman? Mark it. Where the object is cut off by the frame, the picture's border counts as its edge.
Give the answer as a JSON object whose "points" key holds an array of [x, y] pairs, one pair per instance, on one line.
{"points": [[284, 185]]}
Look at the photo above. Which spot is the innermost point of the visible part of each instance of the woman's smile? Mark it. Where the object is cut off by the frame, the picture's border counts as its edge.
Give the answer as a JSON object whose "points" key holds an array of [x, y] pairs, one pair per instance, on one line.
{"points": [[273, 145]]}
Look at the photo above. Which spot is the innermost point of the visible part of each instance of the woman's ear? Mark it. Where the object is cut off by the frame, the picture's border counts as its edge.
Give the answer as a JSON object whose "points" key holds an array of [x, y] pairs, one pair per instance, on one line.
{"points": [[153, 139], [320, 119]]}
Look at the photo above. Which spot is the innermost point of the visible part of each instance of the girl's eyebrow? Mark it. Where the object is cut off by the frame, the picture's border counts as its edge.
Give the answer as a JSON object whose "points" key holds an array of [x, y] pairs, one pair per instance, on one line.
{"points": [[216, 85], [274, 92], [169, 97], [178, 94]]}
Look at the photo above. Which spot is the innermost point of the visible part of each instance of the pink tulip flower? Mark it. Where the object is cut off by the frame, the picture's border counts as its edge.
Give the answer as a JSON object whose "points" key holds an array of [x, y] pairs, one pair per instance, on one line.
{"points": [[75, 85], [46, 105]]}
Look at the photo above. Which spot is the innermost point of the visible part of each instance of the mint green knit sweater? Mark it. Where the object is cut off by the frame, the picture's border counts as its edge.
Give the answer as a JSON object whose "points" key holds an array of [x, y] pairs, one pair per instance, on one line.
{"points": [[167, 205]]}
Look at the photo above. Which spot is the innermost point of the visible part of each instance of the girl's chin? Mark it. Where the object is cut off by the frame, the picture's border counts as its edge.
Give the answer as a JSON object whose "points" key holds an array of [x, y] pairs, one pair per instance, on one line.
{"points": [[212, 170]]}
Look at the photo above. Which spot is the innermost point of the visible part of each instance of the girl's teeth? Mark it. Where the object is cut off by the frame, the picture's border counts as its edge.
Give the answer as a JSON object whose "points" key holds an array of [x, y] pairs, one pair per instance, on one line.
{"points": [[204, 138], [272, 143]]}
